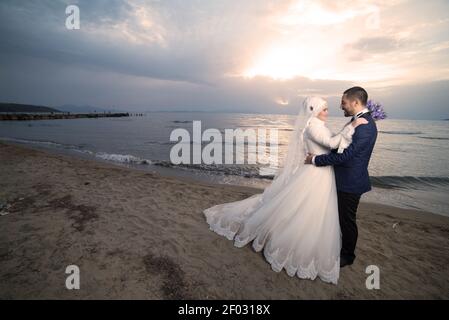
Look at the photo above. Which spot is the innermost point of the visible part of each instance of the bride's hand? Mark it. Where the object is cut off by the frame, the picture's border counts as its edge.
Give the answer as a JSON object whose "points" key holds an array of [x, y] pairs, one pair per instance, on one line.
{"points": [[358, 122]]}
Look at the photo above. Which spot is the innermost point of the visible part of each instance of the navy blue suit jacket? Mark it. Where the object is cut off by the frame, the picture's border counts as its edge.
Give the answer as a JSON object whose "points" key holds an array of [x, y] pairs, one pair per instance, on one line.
{"points": [[351, 166]]}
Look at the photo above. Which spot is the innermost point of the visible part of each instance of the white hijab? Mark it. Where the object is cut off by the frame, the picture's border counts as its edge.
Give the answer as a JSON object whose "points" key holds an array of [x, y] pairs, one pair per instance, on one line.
{"points": [[296, 152]]}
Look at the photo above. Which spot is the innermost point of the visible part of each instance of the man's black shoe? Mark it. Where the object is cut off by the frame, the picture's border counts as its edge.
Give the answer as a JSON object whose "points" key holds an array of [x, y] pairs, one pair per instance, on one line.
{"points": [[345, 262]]}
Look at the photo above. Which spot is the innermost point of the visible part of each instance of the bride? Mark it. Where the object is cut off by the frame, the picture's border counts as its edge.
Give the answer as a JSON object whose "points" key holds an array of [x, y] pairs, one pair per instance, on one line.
{"points": [[295, 220]]}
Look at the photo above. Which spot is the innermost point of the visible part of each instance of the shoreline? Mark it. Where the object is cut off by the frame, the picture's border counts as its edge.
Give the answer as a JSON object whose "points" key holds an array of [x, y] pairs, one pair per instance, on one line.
{"points": [[138, 234], [177, 173], [58, 115]]}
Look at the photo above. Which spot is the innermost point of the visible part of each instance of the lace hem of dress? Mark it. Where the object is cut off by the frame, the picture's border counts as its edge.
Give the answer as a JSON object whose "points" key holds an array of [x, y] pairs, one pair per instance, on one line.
{"points": [[309, 272]]}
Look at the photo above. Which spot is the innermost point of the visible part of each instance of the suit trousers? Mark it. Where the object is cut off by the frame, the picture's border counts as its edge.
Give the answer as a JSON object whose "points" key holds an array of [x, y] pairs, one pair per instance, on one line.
{"points": [[347, 209]]}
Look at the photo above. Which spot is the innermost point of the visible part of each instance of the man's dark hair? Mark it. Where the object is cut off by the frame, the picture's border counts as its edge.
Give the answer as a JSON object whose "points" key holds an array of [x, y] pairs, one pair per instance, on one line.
{"points": [[357, 93]]}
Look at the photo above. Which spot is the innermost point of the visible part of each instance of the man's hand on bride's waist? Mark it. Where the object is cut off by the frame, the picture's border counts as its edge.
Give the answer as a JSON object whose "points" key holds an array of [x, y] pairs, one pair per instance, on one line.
{"points": [[309, 158]]}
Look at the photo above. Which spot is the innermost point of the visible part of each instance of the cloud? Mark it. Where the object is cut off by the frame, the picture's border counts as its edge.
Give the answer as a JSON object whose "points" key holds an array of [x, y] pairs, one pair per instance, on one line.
{"points": [[376, 44], [253, 56]]}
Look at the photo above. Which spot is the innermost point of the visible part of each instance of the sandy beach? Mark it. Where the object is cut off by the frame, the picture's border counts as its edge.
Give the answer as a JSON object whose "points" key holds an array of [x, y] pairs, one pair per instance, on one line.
{"points": [[137, 234]]}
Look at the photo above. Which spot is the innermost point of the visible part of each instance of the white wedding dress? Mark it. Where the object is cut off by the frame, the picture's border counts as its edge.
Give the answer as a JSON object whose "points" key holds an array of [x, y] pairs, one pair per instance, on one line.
{"points": [[296, 222]]}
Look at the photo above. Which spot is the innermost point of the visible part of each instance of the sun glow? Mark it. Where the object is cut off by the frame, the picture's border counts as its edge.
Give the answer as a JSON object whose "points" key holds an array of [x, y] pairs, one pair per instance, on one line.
{"points": [[312, 42], [284, 62], [282, 102]]}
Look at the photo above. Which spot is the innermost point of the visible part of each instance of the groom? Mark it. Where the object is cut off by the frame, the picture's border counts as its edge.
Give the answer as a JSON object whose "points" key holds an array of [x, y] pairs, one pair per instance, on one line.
{"points": [[351, 169]]}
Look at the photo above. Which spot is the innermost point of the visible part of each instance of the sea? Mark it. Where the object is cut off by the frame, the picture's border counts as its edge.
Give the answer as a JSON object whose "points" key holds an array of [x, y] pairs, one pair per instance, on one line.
{"points": [[409, 167]]}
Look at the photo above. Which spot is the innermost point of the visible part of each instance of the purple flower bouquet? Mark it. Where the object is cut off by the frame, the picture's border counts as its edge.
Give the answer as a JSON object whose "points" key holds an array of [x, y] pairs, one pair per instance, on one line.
{"points": [[377, 110]]}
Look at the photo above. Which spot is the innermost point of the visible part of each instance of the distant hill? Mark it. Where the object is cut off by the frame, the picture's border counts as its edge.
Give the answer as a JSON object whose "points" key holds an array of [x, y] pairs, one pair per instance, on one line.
{"points": [[84, 109], [26, 108]]}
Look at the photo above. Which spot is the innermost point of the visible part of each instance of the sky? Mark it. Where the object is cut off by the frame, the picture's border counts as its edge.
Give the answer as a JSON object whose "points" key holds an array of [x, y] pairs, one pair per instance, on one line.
{"points": [[255, 56]]}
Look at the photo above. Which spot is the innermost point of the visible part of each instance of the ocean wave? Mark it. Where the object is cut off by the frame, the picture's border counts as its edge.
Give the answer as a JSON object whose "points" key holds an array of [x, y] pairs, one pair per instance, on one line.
{"points": [[42, 125], [242, 170], [167, 143], [204, 143], [434, 138], [254, 171], [409, 182], [42, 142], [122, 158], [401, 132], [262, 126]]}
